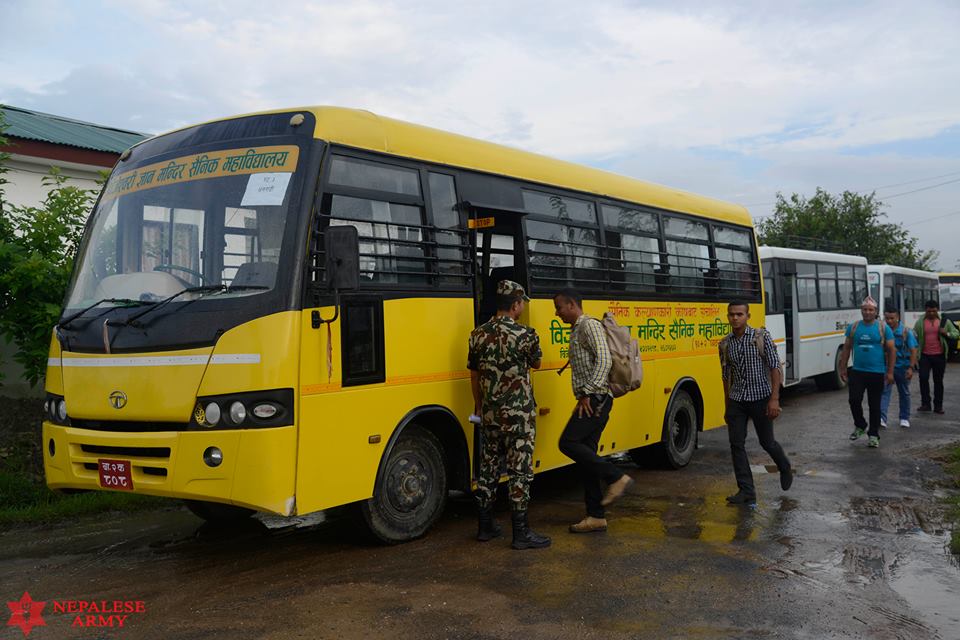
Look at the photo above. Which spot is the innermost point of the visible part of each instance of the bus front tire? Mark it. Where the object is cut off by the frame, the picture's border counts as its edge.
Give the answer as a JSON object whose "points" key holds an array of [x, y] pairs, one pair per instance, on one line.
{"points": [[411, 491], [679, 441], [831, 380], [218, 512]]}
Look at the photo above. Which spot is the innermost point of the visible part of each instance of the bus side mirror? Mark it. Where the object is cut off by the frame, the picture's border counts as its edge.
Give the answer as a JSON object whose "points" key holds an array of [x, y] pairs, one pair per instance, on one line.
{"points": [[341, 246]]}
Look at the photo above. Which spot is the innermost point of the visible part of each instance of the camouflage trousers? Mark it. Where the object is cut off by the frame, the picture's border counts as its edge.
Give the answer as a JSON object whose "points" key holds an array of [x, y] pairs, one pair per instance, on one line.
{"points": [[512, 442]]}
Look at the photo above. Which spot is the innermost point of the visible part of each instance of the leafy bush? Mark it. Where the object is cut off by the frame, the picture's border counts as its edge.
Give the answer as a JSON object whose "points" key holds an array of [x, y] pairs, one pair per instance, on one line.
{"points": [[37, 248]]}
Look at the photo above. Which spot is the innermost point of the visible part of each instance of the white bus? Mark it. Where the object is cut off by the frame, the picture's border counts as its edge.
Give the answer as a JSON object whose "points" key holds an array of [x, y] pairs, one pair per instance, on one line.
{"points": [[905, 289], [811, 297]]}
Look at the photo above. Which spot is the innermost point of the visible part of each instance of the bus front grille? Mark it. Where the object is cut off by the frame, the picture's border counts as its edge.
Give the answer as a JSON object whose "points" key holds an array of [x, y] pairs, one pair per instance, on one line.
{"points": [[130, 452], [127, 426]]}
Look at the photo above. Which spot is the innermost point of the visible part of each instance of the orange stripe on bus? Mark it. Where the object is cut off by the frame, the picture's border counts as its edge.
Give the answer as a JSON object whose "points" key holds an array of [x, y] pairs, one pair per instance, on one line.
{"points": [[822, 335]]}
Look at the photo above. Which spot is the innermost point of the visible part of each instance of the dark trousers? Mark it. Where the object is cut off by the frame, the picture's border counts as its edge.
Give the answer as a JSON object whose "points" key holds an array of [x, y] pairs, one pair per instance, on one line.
{"points": [[872, 383], [579, 442], [737, 415], [937, 364]]}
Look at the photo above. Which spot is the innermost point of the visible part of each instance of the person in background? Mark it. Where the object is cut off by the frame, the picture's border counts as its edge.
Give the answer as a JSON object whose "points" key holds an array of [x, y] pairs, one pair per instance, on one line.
{"points": [[502, 351], [874, 356], [906, 345], [932, 334]]}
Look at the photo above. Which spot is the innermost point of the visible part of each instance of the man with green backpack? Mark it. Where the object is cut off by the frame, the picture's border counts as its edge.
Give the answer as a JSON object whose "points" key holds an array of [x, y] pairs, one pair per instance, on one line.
{"points": [[932, 334]]}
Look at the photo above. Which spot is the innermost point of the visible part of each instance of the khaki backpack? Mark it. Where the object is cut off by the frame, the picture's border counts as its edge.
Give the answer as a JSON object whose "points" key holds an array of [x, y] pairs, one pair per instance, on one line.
{"points": [[626, 372]]}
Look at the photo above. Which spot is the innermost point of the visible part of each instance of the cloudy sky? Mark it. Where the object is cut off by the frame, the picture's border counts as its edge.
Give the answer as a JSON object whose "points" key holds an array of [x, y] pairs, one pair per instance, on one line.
{"points": [[737, 101]]}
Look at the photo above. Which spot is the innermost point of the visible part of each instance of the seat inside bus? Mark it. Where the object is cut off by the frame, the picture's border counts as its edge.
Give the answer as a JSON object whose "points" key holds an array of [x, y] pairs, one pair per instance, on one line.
{"points": [[255, 274]]}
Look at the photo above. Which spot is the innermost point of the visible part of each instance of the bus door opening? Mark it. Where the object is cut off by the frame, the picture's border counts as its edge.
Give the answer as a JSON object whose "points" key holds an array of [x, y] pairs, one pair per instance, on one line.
{"points": [[899, 301], [791, 325], [499, 242]]}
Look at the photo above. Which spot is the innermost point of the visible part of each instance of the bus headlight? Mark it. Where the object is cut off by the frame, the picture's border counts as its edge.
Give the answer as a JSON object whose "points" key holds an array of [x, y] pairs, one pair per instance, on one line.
{"points": [[265, 410], [212, 414], [55, 410], [244, 410], [238, 412]]}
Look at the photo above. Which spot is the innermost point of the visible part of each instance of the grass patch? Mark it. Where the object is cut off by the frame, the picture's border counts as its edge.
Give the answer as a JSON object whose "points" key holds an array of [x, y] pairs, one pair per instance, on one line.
{"points": [[24, 496], [953, 468], [24, 500]]}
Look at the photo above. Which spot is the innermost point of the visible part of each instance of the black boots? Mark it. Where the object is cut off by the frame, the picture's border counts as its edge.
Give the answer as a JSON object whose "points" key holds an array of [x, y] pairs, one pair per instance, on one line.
{"points": [[488, 529], [523, 537]]}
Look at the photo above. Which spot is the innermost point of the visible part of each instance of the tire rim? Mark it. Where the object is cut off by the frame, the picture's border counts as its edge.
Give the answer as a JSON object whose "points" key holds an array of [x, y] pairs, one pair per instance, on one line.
{"points": [[408, 483]]}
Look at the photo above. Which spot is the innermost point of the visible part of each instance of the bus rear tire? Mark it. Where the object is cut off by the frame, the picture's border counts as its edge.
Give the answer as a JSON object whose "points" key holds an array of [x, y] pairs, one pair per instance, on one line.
{"points": [[831, 380], [218, 512], [411, 491], [679, 436]]}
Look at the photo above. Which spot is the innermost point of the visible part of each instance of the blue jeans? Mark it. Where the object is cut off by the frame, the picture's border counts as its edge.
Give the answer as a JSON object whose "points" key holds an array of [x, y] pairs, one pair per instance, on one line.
{"points": [[903, 389]]}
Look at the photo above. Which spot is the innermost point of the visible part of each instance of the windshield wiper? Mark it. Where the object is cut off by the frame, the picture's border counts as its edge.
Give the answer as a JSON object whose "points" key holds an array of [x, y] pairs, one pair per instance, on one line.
{"points": [[210, 288], [128, 302], [132, 319]]}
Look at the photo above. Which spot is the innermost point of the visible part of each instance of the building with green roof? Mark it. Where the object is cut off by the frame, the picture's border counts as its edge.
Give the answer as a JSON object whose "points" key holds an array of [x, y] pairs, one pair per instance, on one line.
{"points": [[38, 141]]}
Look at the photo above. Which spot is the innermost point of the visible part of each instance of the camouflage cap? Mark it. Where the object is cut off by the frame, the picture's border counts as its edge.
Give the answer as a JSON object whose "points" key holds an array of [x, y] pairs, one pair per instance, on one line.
{"points": [[511, 288]]}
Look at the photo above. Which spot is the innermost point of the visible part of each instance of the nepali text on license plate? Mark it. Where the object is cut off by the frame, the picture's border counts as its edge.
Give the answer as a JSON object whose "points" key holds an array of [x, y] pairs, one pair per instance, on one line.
{"points": [[115, 474]]}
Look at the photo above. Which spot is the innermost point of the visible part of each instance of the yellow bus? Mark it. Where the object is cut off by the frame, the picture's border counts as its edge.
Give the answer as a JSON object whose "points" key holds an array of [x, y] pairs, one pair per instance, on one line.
{"points": [[270, 312]]}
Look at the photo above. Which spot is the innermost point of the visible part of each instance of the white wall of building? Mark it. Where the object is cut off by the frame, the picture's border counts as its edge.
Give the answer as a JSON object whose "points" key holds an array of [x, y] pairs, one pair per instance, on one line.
{"points": [[26, 173]]}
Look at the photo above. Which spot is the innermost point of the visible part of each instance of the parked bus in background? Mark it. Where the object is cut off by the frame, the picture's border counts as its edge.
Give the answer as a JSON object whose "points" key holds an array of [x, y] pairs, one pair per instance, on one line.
{"points": [[226, 340], [901, 288], [950, 302], [811, 297]]}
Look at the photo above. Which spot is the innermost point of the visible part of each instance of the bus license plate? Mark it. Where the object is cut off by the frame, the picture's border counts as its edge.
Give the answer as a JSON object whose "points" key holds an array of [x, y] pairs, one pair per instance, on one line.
{"points": [[115, 474]]}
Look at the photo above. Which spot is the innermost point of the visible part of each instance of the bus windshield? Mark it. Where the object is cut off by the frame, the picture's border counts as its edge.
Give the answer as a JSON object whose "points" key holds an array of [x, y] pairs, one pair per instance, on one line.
{"points": [[949, 293], [201, 220]]}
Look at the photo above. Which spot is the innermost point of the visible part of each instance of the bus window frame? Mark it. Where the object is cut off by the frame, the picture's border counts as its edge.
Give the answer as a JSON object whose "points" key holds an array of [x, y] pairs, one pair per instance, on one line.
{"points": [[505, 190]]}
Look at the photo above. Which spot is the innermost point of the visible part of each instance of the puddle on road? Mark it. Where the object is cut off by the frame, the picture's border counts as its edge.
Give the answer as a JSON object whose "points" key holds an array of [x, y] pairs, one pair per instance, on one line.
{"points": [[932, 586], [907, 550]]}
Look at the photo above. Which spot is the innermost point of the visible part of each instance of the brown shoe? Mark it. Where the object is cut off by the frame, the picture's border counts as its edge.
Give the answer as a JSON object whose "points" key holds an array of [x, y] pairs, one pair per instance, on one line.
{"points": [[589, 525], [616, 490]]}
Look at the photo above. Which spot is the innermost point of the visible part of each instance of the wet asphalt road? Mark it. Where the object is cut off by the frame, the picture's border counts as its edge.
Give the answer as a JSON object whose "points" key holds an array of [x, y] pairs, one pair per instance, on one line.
{"points": [[857, 549]]}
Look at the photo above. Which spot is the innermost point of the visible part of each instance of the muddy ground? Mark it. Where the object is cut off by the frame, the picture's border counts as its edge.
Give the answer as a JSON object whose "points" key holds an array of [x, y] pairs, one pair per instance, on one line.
{"points": [[857, 549]]}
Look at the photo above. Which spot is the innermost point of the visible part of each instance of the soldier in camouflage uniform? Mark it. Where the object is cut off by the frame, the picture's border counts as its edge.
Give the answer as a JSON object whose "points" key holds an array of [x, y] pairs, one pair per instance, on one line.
{"points": [[502, 351]]}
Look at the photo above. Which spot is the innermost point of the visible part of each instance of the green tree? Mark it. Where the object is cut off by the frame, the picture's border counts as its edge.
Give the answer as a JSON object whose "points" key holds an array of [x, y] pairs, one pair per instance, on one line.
{"points": [[37, 248], [849, 223]]}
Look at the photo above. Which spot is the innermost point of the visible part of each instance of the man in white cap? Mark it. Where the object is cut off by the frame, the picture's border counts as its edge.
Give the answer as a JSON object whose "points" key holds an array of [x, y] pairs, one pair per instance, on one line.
{"points": [[874, 356]]}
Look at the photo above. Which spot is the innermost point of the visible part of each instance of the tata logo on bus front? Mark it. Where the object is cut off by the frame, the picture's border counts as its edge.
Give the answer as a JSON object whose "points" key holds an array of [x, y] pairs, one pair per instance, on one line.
{"points": [[118, 399]]}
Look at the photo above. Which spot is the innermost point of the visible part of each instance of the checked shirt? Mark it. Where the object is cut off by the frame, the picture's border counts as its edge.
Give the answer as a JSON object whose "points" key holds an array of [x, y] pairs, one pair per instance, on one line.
{"points": [[747, 372], [590, 357]]}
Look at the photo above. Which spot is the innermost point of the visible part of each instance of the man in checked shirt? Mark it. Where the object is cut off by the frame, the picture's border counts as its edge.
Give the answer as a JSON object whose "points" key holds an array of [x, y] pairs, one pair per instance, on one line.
{"points": [[590, 361], [751, 390]]}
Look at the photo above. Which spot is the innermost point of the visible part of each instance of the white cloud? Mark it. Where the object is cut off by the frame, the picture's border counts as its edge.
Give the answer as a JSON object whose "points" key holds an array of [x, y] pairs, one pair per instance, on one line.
{"points": [[784, 96]]}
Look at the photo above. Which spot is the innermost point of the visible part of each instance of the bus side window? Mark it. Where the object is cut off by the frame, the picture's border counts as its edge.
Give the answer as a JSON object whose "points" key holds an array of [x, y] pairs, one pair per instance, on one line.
{"points": [[361, 342]]}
